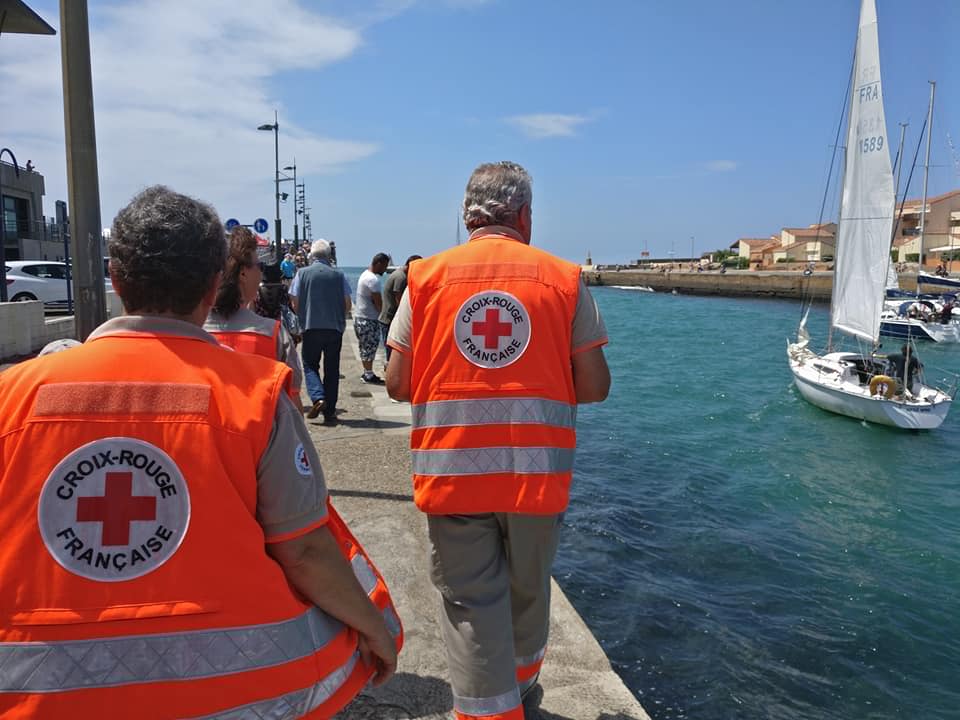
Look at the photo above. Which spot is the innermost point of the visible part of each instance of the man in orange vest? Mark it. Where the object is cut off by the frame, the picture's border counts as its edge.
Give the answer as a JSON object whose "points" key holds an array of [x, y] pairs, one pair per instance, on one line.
{"points": [[168, 549], [496, 343]]}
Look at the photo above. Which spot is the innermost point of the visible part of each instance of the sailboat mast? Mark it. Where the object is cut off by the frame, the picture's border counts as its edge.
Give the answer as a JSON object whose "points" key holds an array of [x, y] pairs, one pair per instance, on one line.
{"points": [[926, 172], [903, 132]]}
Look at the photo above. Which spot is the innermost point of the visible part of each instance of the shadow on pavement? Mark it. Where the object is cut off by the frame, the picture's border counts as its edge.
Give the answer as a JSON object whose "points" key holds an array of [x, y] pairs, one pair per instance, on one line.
{"points": [[405, 697], [363, 423], [371, 494]]}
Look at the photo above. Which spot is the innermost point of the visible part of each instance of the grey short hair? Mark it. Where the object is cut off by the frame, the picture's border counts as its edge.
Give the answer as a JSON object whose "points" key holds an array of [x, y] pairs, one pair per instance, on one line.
{"points": [[320, 250], [494, 195], [165, 251]]}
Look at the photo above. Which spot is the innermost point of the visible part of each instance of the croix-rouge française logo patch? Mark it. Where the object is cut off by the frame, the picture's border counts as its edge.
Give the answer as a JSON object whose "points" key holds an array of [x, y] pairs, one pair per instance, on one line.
{"points": [[114, 509], [492, 329]]}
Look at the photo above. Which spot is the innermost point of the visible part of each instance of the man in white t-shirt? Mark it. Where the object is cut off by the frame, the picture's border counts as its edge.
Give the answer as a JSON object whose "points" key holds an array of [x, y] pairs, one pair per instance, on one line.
{"points": [[366, 315]]}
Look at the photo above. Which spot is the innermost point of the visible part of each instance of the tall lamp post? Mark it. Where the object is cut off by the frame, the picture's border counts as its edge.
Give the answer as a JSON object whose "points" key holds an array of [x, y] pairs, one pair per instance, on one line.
{"points": [[296, 228], [300, 205], [276, 177]]}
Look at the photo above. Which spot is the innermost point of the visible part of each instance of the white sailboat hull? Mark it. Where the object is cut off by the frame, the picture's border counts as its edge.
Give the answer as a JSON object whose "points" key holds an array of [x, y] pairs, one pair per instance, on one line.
{"points": [[831, 382]]}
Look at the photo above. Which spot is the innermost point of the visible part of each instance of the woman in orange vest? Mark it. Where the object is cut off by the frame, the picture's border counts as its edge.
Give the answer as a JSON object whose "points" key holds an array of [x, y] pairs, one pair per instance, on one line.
{"points": [[167, 546], [235, 325]]}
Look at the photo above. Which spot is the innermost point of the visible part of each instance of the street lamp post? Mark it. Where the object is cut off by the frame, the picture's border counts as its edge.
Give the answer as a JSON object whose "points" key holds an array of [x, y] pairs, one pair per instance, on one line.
{"points": [[301, 204], [296, 228], [276, 178]]}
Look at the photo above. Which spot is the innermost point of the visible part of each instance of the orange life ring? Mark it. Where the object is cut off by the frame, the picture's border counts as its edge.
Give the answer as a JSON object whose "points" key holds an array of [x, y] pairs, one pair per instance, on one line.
{"points": [[883, 384]]}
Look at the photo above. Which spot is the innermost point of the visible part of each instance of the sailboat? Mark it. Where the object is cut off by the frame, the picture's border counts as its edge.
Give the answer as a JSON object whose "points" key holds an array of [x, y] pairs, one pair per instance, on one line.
{"points": [[922, 318], [857, 384]]}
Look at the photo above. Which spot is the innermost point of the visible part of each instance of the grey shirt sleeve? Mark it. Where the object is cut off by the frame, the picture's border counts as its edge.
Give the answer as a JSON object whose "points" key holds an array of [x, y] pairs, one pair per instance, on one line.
{"points": [[291, 492], [588, 328]]}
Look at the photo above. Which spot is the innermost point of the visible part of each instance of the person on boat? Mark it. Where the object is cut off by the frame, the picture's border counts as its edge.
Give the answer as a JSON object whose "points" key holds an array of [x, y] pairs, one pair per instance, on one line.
{"points": [[904, 366], [946, 312], [919, 311], [495, 343]]}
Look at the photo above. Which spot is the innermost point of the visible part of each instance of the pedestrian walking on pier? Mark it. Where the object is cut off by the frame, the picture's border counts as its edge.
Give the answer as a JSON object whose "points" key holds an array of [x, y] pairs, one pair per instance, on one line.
{"points": [[393, 288], [167, 547], [366, 315], [320, 295], [496, 342]]}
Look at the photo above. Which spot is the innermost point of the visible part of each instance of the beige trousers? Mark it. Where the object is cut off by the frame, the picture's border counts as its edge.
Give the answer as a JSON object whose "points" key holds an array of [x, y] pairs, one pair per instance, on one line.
{"points": [[493, 574]]}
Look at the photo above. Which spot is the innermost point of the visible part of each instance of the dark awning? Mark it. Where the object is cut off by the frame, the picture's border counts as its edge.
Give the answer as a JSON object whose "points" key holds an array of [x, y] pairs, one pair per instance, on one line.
{"points": [[16, 17]]}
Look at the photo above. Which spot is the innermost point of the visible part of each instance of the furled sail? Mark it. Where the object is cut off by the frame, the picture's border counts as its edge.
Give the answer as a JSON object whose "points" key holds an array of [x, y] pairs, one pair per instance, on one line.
{"points": [[867, 204]]}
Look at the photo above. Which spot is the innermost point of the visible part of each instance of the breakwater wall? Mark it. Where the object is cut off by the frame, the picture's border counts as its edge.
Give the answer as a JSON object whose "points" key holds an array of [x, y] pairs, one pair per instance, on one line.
{"points": [[733, 283]]}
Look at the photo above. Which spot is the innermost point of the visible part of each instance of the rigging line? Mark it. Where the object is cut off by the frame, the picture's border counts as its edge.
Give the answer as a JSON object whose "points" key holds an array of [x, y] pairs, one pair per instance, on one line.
{"points": [[906, 188], [953, 154]]}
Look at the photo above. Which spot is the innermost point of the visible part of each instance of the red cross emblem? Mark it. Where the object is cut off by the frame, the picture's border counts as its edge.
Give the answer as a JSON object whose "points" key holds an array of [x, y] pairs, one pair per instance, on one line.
{"points": [[492, 329], [117, 508]]}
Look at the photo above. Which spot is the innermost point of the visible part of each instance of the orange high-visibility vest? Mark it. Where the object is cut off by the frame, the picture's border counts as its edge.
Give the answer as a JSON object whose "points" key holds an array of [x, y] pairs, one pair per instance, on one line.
{"points": [[133, 575], [492, 391], [254, 343], [250, 342]]}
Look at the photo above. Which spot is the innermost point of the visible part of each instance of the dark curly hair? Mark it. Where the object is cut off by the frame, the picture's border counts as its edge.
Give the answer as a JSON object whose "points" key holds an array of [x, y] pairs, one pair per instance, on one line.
{"points": [[165, 251], [242, 253]]}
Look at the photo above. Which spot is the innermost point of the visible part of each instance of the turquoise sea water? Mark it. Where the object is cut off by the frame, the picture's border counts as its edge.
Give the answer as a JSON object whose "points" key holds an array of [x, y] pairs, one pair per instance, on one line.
{"points": [[740, 553]]}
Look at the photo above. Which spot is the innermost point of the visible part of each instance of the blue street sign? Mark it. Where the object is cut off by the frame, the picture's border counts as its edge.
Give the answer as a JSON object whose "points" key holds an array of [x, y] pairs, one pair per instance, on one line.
{"points": [[231, 223], [261, 225]]}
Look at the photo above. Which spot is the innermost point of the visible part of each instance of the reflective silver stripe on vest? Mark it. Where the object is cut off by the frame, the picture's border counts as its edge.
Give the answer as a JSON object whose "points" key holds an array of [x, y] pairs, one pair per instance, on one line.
{"points": [[107, 662], [295, 704], [392, 621], [494, 411], [364, 573], [487, 461], [487, 706]]}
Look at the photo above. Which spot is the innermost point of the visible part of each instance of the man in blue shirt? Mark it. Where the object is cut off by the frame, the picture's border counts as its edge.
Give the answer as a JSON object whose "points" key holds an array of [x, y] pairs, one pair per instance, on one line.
{"points": [[288, 267], [320, 294]]}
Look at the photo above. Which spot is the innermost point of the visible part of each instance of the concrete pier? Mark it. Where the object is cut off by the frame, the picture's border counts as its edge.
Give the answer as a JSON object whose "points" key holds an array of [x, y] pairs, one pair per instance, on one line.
{"points": [[366, 462]]}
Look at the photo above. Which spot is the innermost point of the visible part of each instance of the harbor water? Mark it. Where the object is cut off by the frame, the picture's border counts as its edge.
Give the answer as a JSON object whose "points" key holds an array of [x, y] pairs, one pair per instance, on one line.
{"points": [[740, 553]]}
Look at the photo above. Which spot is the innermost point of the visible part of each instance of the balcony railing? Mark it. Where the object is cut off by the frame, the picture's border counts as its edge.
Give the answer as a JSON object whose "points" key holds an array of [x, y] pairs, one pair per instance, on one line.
{"points": [[32, 230]]}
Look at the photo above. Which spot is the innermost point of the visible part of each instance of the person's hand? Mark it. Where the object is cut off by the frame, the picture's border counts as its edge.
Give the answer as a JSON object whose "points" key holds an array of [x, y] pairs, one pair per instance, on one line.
{"points": [[378, 650]]}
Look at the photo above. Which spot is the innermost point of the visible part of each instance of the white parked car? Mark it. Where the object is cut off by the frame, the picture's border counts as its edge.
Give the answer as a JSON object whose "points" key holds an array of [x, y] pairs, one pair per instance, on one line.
{"points": [[37, 280], [44, 280]]}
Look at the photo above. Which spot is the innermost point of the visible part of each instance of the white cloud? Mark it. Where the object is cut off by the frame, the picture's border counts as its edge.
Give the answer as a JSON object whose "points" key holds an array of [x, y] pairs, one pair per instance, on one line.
{"points": [[179, 89], [721, 166], [548, 125]]}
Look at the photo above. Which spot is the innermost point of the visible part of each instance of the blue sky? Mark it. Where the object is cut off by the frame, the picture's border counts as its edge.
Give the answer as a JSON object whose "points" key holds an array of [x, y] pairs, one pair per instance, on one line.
{"points": [[643, 123]]}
